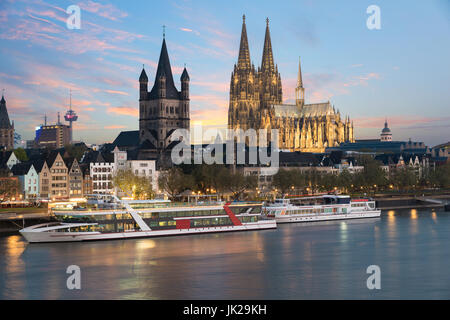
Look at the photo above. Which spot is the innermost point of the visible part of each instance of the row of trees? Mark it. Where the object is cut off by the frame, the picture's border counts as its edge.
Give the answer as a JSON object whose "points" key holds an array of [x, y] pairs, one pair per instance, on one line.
{"points": [[372, 178], [206, 179]]}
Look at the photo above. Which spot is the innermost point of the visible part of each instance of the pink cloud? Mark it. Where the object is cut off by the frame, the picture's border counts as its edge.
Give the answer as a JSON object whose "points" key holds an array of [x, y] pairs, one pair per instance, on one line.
{"points": [[127, 111], [215, 86], [107, 11], [320, 87], [117, 92], [114, 127], [36, 26], [394, 121]]}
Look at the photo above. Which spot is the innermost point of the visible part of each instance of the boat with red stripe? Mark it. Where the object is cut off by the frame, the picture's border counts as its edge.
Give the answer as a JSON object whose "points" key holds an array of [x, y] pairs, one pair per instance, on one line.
{"points": [[122, 219]]}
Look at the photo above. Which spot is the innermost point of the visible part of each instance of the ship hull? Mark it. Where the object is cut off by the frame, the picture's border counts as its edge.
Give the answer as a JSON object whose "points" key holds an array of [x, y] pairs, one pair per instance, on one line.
{"points": [[36, 236], [324, 217]]}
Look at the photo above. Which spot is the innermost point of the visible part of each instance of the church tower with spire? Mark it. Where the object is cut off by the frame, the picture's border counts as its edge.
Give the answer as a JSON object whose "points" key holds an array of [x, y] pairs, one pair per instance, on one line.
{"points": [[163, 109], [243, 109], [6, 127], [270, 79], [299, 90]]}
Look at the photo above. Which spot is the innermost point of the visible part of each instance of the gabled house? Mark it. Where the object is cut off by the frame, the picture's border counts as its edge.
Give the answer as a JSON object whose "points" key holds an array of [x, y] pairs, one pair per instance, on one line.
{"points": [[59, 186], [44, 180], [8, 159], [101, 167], [87, 179], [75, 178], [28, 178]]}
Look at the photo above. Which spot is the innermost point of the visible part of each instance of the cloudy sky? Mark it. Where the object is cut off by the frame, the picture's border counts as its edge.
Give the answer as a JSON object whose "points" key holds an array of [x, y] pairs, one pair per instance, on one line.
{"points": [[400, 72]]}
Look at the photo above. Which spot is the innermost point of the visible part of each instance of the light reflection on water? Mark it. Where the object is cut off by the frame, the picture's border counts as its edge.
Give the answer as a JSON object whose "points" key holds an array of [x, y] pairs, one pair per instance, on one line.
{"points": [[298, 261]]}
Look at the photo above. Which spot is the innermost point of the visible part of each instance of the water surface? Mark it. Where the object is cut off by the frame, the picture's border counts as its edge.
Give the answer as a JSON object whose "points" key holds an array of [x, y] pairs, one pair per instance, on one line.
{"points": [[323, 260]]}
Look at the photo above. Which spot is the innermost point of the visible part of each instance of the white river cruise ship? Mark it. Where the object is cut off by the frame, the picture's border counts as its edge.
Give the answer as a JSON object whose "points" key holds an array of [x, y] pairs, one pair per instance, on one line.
{"points": [[121, 219], [320, 208]]}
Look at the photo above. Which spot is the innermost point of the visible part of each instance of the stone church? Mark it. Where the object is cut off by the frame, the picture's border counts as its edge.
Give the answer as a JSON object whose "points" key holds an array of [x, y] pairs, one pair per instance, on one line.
{"points": [[256, 102], [163, 109], [6, 127]]}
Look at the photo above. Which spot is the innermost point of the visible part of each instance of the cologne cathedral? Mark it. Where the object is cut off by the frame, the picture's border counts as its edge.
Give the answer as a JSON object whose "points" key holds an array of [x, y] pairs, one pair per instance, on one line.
{"points": [[256, 102]]}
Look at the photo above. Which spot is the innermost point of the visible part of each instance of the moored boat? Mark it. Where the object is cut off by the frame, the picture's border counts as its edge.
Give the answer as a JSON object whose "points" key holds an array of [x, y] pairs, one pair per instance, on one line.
{"points": [[320, 208], [121, 219]]}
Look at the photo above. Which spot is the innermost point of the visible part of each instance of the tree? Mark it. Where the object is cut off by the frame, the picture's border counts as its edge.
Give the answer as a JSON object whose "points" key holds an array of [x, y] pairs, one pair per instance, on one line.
{"points": [[299, 179], [137, 186], [9, 188], [174, 181], [21, 154], [440, 177], [209, 176], [284, 180], [76, 151], [313, 179], [403, 178], [328, 181], [237, 183], [372, 176], [344, 180]]}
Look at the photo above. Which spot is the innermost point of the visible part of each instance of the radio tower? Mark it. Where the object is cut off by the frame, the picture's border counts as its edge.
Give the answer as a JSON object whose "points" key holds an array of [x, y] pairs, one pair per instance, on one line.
{"points": [[70, 116]]}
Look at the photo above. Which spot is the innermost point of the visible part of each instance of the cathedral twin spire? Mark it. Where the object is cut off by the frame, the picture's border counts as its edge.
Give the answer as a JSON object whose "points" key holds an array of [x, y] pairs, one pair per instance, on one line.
{"points": [[244, 52], [267, 63]]}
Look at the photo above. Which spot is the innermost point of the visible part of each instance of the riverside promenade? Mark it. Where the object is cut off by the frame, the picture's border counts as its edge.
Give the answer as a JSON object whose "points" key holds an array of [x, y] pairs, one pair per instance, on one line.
{"points": [[412, 202], [13, 219]]}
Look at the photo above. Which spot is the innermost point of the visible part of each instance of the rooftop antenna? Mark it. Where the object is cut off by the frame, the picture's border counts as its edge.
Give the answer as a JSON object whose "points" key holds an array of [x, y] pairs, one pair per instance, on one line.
{"points": [[45, 119], [164, 31], [59, 122]]}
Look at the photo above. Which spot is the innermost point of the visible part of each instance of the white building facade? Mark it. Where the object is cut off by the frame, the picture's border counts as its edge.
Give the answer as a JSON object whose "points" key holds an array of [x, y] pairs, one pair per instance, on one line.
{"points": [[102, 175], [142, 168]]}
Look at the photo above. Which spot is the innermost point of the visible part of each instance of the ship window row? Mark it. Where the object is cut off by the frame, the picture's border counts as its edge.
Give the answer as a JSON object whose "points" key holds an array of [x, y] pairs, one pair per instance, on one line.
{"points": [[248, 219], [174, 214], [355, 205], [104, 228], [95, 218], [239, 210], [309, 211], [211, 222]]}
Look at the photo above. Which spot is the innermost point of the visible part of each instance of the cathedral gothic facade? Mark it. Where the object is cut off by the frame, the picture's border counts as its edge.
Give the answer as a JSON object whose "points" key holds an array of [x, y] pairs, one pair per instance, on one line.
{"points": [[256, 102]]}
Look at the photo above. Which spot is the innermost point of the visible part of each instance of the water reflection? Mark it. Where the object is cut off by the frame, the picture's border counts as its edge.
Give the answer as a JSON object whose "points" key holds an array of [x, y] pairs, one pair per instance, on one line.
{"points": [[297, 261]]}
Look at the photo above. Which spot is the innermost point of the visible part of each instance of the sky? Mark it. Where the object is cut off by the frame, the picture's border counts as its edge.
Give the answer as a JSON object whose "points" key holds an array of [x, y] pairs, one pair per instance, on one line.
{"points": [[399, 72]]}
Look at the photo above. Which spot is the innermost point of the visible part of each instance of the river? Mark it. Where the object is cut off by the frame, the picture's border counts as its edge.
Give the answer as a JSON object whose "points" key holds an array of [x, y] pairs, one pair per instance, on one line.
{"points": [[323, 260]]}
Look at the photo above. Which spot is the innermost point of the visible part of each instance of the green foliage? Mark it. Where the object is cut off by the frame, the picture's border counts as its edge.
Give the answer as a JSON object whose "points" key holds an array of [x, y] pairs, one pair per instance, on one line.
{"points": [[345, 180], [174, 181], [138, 187], [403, 179], [372, 178], [209, 177], [21, 154], [76, 151], [9, 188], [237, 183], [285, 180], [440, 177]]}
